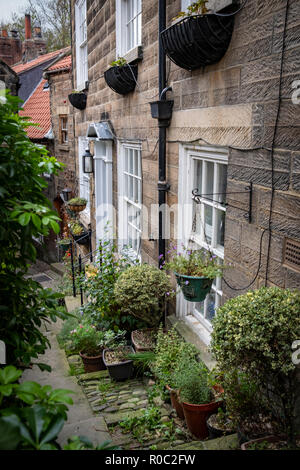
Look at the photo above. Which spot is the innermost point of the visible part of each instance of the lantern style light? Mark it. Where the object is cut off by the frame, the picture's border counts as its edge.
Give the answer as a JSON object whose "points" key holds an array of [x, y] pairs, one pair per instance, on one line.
{"points": [[87, 162], [66, 193]]}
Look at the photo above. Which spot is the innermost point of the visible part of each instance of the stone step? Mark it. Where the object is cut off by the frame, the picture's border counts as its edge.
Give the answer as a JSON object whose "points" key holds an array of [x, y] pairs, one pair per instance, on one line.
{"points": [[72, 303], [58, 268]]}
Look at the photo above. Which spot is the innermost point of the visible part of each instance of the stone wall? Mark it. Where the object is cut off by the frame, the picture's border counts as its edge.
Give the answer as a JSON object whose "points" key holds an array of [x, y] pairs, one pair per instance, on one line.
{"points": [[232, 103], [9, 78]]}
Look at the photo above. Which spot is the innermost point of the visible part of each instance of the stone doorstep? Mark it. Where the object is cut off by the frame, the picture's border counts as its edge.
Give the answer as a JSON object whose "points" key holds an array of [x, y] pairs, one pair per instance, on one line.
{"points": [[221, 443]]}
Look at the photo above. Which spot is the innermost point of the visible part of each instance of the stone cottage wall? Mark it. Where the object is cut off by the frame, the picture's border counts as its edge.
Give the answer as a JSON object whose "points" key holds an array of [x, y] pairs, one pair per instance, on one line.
{"points": [[233, 104]]}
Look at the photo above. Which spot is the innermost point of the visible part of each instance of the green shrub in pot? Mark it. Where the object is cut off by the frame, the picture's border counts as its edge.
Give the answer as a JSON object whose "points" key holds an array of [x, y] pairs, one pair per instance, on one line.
{"points": [[253, 334]]}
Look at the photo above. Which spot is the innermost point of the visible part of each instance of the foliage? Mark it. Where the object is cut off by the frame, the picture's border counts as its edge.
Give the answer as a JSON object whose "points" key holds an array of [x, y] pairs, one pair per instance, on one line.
{"points": [[120, 62], [194, 263], [253, 334], [31, 416], [76, 228], [25, 213], [141, 292], [53, 15], [143, 426], [77, 201], [69, 325], [64, 241], [90, 341], [196, 8], [102, 308], [190, 377], [167, 352], [142, 360]]}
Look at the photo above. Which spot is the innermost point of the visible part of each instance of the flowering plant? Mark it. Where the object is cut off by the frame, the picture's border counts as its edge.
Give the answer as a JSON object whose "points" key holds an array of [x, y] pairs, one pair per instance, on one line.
{"points": [[197, 263], [90, 341]]}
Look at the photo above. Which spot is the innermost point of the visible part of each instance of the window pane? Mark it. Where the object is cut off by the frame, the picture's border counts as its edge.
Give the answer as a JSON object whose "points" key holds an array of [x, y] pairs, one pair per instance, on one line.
{"points": [[198, 182], [220, 228], [130, 161], [210, 306], [209, 179], [222, 183], [208, 218]]}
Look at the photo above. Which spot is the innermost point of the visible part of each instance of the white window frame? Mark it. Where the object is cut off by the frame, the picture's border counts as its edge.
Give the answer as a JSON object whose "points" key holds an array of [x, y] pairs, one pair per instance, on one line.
{"points": [[128, 26], [124, 177], [81, 44], [188, 155], [83, 179]]}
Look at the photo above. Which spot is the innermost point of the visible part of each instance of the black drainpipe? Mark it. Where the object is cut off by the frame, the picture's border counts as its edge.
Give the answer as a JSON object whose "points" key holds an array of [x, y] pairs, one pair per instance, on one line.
{"points": [[162, 186]]}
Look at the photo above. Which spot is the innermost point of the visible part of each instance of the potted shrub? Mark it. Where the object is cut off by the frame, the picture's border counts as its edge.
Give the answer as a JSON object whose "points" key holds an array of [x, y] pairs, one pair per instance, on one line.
{"points": [[144, 340], [117, 362], [121, 77], [78, 99], [77, 204], [141, 292], [197, 397], [90, 343], [219, 424], [270, 443], [253, 334], [195, 271], [169, 351], [199, 38]]}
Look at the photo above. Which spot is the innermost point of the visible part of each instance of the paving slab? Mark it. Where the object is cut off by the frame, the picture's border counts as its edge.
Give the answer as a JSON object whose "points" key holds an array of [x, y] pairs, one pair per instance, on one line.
{"points": [[72, 303]]}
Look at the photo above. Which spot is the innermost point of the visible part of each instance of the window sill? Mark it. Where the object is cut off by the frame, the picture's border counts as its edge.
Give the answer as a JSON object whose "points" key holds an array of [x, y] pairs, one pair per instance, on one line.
{"points": [[134, 55], [191, 335]]}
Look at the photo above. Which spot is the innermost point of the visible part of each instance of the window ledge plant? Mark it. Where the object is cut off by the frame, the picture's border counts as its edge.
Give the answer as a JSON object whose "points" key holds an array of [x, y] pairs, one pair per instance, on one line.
{"points": [[121, 77]]}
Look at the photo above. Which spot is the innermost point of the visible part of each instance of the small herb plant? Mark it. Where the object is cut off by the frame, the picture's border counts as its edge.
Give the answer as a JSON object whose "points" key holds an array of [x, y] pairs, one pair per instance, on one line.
{"points": [[196, 8], [191, 379], [76, 228], [196, 263], [119, 62]]}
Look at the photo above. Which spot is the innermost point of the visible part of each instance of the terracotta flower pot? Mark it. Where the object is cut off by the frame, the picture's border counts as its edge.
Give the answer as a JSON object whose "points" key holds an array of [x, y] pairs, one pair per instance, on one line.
{"points": [[92, 363], [196, 416], [246, 445], [137, 346], [175, 402]]}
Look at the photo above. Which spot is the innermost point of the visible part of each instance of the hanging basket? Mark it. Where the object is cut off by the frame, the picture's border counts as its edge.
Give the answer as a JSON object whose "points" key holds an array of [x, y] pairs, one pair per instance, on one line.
{"points": [[78, 100], [197, 41], [194, 289], [123, 79], [76, 207]]}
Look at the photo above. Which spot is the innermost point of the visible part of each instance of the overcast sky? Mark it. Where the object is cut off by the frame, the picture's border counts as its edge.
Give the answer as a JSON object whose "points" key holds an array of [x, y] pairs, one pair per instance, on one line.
{"points": [[7, 7]]}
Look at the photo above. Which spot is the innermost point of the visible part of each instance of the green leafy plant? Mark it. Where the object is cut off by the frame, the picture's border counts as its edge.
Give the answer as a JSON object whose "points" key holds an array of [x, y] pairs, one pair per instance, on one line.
{"points": [[190, 377], [25, 214], [169, 346], [90, 341], [77, 201], [144, 426], [31, 415], [141, 291], [253, 334], [194, 263], [83, 443], [103, 308], [120, 62], [76, 228]]}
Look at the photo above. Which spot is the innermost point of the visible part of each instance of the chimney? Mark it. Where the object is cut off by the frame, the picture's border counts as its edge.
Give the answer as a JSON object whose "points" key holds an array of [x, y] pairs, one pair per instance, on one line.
{"points": [[37, 31], [27, 27], [4, 33]]}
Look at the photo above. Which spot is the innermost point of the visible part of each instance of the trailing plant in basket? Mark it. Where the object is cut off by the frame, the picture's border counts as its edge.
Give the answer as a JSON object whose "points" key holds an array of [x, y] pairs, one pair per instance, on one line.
{"points": [[141, 291], [119, 62], [77, 201], [197, 263], [253, 333]]}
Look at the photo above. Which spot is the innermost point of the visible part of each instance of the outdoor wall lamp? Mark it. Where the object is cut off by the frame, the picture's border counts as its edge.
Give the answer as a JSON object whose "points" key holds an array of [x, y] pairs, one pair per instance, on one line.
{"points": [[66, 194], [87, 161]]}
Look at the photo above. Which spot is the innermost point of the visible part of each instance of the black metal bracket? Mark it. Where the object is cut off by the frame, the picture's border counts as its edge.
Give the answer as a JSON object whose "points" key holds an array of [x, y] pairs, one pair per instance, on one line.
{"points": [[248, 189], [163, 186]]}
